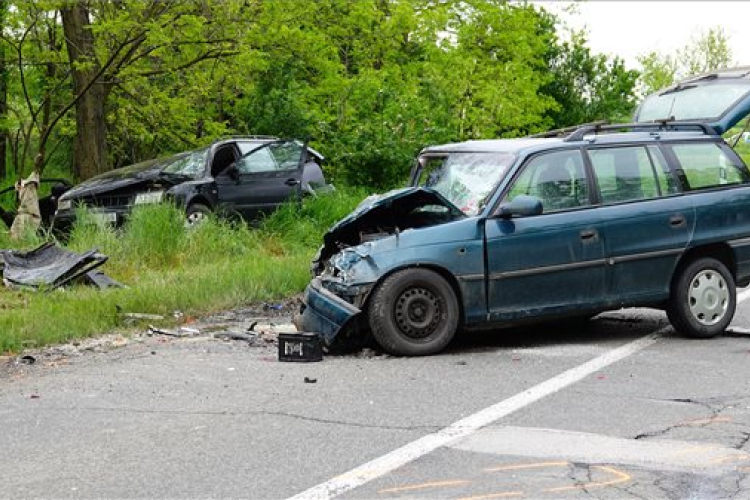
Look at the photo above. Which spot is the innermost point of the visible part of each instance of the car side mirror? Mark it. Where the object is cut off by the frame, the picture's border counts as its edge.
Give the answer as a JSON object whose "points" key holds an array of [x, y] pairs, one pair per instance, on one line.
{"points": [[521, 205]]}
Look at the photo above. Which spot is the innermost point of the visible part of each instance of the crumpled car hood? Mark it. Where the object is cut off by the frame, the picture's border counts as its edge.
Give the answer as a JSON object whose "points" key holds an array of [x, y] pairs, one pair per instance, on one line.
{"points": [[139, 173], [389, 213]]}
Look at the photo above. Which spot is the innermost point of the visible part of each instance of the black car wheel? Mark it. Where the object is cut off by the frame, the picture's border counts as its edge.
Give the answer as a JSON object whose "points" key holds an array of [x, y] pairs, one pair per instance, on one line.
{"points": [[414, 312], [196, 213], [703, 299]]}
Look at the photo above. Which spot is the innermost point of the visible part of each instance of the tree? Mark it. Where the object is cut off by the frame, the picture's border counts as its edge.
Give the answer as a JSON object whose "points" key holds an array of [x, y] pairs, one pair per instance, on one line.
{"points": [[707, 51], [587, 87], [3, 96]]}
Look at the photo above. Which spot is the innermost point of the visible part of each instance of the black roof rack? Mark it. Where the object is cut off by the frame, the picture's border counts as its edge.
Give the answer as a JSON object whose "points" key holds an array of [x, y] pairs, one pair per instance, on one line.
{"points": [[248, 137], [580, 132], [559, 132]]}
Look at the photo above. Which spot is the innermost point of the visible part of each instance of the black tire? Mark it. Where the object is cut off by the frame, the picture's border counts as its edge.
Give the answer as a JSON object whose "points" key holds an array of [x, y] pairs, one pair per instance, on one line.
{"points": [[414, 312], [703, 299], [196, 213]]}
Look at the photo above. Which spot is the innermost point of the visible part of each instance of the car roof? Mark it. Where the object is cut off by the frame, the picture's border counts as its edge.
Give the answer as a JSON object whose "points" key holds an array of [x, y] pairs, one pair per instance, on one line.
{"points": [[527, 145]]}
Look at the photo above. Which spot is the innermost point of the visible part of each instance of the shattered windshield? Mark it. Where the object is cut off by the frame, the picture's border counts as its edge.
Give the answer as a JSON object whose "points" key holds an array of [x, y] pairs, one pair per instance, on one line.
{"points": [[465, 179], [693, 101], [190, 164]]}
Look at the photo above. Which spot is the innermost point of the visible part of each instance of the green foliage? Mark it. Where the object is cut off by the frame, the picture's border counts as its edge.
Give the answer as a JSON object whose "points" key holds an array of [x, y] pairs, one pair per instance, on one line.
{"points": [[369, 82], [707, 51], [588, 87]]}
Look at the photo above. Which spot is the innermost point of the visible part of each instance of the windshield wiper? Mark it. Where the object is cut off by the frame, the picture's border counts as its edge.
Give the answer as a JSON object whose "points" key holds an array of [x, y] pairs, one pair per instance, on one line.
{"points": [[678, 88]]}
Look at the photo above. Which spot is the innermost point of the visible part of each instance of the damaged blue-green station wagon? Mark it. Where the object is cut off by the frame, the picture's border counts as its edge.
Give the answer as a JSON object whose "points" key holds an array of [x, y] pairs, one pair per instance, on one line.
{"points": [[494, 233]]}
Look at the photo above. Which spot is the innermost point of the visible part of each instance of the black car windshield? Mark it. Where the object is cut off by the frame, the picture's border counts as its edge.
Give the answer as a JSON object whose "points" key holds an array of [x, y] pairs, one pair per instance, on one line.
{"points": [[693, 101], [465, 179], [191, 164]]}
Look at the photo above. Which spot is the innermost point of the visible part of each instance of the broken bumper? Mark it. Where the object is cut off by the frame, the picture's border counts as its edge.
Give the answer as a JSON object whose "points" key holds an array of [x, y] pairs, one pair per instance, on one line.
{"points": [[323, 312]]}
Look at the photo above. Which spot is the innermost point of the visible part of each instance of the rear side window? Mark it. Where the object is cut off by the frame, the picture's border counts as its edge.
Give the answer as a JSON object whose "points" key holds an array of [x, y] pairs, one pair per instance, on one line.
{"points": [[631, 173], [708, 165]]}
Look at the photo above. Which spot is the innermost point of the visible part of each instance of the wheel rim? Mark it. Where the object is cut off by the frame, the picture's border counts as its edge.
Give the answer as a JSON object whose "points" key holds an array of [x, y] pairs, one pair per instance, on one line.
{"points": [[418, 312], [708, 297], [195, 218]]}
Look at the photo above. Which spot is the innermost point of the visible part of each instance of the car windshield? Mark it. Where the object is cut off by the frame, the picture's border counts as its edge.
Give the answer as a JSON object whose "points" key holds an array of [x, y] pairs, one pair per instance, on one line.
{"points": [[465, 179], [191, 164], [693, 101]]}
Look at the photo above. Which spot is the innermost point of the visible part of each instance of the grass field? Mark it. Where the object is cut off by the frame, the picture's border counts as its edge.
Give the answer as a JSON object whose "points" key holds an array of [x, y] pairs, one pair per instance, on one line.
{"points": [[168, 268]]}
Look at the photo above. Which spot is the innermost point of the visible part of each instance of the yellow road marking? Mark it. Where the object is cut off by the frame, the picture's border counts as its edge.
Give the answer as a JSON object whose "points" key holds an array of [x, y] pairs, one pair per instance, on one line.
{"points": [[730, 458], [695, 449], [436, 484], [532, 465], [706, 421], [504, 494], [621, 478]]}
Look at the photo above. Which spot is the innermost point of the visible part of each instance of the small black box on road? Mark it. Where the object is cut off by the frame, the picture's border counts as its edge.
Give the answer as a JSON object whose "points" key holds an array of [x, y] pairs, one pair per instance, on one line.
{"points": [[302, 347]]}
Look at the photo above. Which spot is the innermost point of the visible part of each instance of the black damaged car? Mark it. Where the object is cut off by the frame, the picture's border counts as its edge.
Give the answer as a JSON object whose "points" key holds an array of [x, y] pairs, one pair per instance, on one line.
{"points": [[240, 176]]}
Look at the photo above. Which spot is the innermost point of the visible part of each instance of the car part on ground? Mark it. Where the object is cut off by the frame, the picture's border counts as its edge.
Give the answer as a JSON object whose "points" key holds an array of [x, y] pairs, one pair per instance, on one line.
{"points": [[48, 267], [243, 177], [497, 233]]}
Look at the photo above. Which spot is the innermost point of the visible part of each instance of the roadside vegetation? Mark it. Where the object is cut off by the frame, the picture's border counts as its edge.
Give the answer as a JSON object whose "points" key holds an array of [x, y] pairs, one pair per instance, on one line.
{"points": [[169, 268], [86, 87]]}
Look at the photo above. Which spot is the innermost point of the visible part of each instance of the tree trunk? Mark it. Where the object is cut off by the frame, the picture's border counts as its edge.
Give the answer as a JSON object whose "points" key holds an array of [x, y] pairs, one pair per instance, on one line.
{"points": [[3, 96], [90, 144]]}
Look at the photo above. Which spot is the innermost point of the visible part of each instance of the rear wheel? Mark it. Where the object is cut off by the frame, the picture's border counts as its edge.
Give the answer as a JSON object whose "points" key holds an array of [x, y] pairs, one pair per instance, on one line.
{"points": [[703, 299], [196, 214], [414, 312]]}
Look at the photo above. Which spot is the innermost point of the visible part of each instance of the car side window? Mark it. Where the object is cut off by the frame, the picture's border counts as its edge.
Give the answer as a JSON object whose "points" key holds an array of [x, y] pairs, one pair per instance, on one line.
{"points": [[627, 174], [558, 179], [256, 162], [287, 155], [707, 165], [273, 157]]}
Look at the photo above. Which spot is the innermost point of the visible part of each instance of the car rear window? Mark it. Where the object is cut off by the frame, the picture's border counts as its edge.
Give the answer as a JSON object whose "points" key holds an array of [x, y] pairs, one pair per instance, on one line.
{"points": [[631, 173], [708, 165]]}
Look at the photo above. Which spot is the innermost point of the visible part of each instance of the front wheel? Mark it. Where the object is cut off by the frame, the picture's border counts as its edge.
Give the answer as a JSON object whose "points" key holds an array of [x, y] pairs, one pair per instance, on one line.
{"points": [[703, 299], [414, 312], [196, 214]]}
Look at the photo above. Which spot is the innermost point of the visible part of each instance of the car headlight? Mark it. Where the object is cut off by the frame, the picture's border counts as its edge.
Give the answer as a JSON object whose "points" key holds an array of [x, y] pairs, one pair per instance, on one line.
{"points": [[65, 205], [149, 197]]}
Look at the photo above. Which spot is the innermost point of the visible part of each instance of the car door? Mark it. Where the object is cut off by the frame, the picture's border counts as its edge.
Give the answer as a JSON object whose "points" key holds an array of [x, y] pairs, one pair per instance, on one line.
{"points": [[646, 223], [552, 263], [264, 178]]}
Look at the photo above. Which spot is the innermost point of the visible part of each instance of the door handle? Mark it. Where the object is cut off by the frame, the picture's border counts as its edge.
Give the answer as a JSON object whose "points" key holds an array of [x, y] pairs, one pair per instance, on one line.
{"points": [[588, 235], [677, 221], [291, 182]]}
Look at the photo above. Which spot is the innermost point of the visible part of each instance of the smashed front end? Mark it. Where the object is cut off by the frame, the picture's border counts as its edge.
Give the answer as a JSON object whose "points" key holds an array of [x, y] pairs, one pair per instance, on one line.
{"points": [[358, 251]]}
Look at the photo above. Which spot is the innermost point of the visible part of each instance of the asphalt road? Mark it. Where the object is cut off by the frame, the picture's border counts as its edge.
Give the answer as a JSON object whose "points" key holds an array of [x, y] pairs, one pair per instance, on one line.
{"points": [[620, 408]]}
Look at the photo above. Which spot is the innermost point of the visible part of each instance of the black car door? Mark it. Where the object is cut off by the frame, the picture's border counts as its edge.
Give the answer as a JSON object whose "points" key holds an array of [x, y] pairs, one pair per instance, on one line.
{"points": [[263, 179]]}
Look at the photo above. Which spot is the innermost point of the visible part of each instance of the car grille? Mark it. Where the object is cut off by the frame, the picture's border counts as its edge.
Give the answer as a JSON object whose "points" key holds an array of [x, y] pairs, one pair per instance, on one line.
{"points": [[108, 201]]}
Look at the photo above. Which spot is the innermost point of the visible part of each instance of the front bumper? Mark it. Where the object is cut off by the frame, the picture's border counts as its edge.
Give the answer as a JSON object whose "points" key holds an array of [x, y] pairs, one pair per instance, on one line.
{"points": [[64, 219], [324, 313]]}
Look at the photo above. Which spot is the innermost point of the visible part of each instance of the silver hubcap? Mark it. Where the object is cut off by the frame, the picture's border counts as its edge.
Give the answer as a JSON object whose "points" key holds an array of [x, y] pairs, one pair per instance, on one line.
{"points": [[195, 218], [708, 297]]}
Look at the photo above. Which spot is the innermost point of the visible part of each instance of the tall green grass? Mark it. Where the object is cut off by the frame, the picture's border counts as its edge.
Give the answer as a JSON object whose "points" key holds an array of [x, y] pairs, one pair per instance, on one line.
{"points": [[167, 267]]}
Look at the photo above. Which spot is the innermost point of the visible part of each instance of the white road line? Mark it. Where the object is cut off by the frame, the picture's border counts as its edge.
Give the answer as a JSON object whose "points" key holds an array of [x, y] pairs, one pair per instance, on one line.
{"points": [[466, 426]]}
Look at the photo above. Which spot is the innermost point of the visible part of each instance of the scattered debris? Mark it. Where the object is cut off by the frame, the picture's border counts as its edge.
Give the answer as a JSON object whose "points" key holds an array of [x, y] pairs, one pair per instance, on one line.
{"points": [[49, 266], [304, 347], [27, 360], [309, 380], [250, 337], [275, 307]]}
